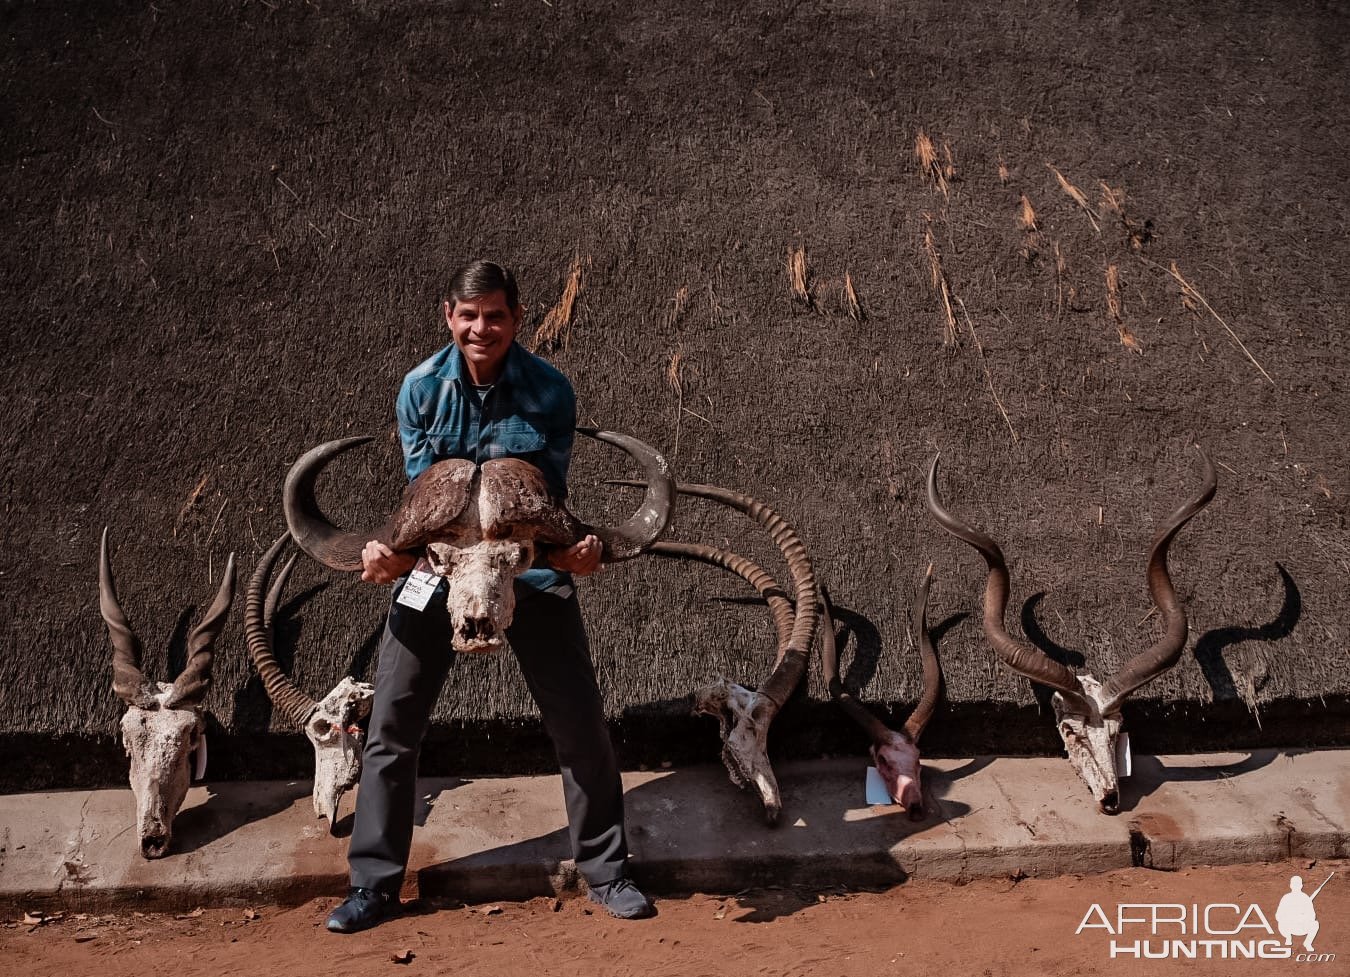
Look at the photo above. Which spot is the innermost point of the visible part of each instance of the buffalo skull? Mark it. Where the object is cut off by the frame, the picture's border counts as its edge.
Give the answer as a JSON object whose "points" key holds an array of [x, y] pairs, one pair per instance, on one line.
{"points": [[163, 725], [479, 526]]}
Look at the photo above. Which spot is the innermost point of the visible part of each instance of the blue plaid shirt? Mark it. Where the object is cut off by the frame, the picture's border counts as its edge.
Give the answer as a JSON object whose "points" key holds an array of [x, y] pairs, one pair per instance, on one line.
{"points": [[529, 413]]}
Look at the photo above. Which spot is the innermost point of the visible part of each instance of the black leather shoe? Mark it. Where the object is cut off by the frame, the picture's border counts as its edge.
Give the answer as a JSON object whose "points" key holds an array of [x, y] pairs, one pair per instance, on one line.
{"points": [[623, 899], [362, 909]]}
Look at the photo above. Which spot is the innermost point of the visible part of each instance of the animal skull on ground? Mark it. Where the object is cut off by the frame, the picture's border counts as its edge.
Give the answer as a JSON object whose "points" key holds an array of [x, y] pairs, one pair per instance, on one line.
{"points": [[162, 726], [479, 526], [1087, 711], [895, 753], [745, 715], [331, 724]]}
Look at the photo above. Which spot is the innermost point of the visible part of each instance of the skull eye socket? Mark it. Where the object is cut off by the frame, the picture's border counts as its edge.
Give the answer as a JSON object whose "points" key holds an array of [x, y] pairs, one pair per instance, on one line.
{"points": [[321, 727], [442, 558]]}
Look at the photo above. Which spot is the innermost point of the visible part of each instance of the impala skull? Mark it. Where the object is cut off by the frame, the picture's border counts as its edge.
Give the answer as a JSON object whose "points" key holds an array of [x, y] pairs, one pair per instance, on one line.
{"points": [[478, 526], [331, 724], [1087, 711], [162, 728]]}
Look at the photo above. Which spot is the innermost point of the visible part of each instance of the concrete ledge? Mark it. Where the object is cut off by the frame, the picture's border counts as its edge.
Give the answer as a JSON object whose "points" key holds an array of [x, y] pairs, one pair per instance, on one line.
{"points": [[505, 838]]}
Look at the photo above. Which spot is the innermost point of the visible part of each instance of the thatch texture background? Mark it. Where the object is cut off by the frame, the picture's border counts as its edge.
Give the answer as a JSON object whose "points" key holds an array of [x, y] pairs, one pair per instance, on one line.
{"points": [[227, 227]]}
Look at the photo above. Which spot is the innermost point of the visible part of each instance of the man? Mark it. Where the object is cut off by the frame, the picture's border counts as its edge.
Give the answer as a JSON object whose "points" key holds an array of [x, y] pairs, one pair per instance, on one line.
{"points": [[483, 397]]}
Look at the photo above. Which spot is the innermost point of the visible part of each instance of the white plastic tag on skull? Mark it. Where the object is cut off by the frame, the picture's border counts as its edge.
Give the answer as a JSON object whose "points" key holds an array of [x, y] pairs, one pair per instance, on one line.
{"points": [[199, 770]]}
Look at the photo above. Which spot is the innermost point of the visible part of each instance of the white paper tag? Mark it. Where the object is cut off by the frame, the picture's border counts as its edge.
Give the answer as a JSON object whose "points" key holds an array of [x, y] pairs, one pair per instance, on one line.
{"points": [[200, 771], [876, 788], [1123, 762], [416, 593]]}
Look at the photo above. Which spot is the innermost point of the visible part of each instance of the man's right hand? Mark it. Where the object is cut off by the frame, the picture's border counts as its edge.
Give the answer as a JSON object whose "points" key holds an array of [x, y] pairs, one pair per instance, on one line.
{"points": [[380, 564]]}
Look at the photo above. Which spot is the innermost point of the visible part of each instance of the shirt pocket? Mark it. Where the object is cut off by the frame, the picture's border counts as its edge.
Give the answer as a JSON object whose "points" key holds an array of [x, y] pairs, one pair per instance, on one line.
{"points": [[518, 438]]}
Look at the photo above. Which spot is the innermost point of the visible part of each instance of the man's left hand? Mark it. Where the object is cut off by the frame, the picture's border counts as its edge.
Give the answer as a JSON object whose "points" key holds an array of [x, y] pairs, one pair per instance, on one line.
{"points": [[581, 558]]}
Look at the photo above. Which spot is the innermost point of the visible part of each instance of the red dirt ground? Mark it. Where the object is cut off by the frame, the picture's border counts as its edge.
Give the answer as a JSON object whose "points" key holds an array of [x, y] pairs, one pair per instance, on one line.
{"points": [[990, 927]]}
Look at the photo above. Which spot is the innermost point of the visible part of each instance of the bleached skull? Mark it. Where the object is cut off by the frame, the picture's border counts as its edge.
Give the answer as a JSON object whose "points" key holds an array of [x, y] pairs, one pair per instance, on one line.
{"points": [[744, 718], [1092, 739], [161, 742], [163, 724], [338, 742], [481, 595]]}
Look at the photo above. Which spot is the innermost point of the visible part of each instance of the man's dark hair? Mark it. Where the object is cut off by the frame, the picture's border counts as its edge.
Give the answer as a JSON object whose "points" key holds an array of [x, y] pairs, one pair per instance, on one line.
{"points": [[479, 278]]}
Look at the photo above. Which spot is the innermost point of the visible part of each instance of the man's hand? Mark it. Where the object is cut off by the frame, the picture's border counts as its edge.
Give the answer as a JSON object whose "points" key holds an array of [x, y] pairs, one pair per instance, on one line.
{"points": [[380, 564], [582, 558]]}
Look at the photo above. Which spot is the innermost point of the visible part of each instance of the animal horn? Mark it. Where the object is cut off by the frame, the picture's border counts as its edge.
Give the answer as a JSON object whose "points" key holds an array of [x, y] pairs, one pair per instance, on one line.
{"points": [[932, 669], [1149, 664], [794, 656], [295, 705], [875, 729], [645, 526], [191, 685], [1017, 655], [129, 683], [780, 607], [313, 531]]}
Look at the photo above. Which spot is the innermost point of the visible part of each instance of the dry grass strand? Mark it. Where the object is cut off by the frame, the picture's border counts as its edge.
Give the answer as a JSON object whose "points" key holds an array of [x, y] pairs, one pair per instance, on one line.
{"points": [[799, 275], [1026, 217], [938, 277], [1077, 196], [851, 301], [556, 328], [1192, 299], [192, 498], [927, 156], [1115, 307]]}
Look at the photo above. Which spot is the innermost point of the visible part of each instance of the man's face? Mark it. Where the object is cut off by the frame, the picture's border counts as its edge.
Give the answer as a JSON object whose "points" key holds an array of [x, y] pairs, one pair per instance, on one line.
{"points": [[483, 327]]}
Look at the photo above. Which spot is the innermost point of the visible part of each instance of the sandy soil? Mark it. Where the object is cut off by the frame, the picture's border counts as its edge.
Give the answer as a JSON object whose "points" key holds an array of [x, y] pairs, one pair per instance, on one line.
{"points": [[988, 927]]}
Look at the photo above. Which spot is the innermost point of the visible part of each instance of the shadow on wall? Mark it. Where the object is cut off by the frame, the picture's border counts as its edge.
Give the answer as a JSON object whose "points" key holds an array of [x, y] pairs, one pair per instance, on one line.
{"points": [[1212, 644], [1209, 649]]}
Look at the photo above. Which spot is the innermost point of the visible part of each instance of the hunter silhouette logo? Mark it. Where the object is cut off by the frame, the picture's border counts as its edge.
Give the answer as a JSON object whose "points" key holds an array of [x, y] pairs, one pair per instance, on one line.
{"points": [[1297, 916], [1215, 931]]}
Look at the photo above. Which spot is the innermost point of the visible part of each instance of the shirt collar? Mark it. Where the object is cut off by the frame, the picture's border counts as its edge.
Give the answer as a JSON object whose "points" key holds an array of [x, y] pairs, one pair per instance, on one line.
{"points": [[512, 371]]}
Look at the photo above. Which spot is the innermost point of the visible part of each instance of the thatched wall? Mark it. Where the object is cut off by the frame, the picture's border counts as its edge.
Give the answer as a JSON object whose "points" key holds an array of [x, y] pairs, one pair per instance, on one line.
{"points": [[227, 228]]}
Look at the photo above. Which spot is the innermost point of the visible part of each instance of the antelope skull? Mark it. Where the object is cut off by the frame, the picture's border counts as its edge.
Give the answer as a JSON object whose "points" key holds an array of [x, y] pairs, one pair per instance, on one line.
{"points": [[1087, 712], [894, 752], [330, 724], [479, 527], [162, 727], [745, 715]]}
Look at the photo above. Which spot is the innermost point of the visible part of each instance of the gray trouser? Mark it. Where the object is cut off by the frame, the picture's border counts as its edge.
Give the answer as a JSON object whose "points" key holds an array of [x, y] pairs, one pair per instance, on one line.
{"points": [[549, 640]]}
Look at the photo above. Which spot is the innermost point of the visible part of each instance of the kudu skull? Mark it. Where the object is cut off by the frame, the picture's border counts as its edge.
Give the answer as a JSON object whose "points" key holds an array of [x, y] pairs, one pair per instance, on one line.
{"points": [[745, 715], [330, 724], [162, 726], [894, 752], [1087, 711], [479, 526]]}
